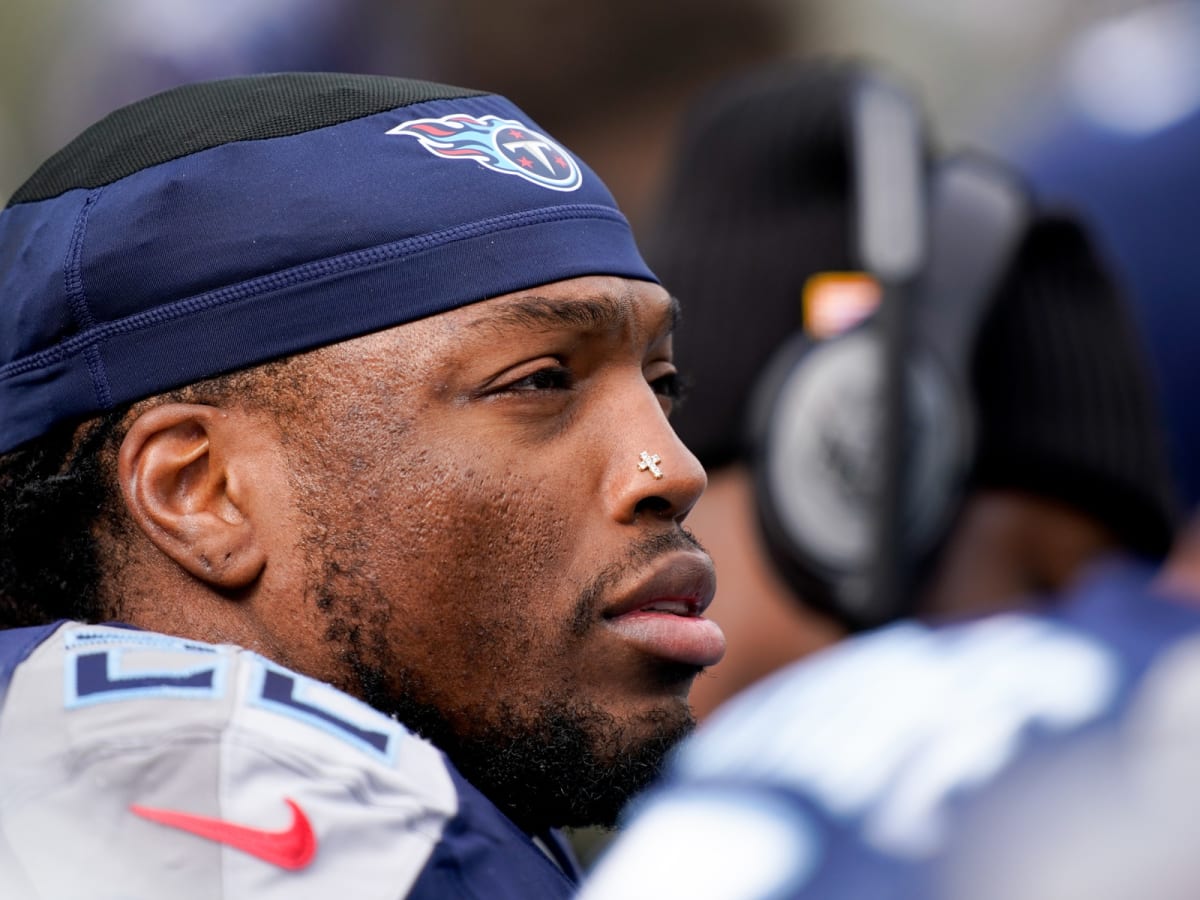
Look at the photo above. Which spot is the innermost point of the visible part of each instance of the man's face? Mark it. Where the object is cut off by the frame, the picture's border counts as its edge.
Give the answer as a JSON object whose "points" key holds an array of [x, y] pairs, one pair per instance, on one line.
{"points": [[489, 556]]}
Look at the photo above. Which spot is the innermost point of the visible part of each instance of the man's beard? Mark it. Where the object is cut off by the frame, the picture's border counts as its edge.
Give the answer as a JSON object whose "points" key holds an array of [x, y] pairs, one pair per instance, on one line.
{"points": [[553, 761], [564, 764], [546, 761]]}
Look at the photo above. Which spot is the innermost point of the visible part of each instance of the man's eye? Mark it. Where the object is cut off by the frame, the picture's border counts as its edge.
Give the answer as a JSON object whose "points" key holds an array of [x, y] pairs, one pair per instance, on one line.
{"points": [[670, 386], [551, 378]]}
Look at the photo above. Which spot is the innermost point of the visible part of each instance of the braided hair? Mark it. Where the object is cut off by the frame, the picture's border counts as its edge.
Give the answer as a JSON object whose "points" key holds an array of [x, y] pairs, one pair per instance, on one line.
{"points": [[54, 491]]}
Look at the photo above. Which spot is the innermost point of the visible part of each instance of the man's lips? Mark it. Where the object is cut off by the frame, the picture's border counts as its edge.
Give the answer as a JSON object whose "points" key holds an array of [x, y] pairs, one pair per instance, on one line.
{"points": [[663, 613]]}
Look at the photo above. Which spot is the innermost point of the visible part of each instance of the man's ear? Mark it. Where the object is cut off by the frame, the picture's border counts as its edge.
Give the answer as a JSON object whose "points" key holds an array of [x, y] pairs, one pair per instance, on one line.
{"points": [[186, 478]]}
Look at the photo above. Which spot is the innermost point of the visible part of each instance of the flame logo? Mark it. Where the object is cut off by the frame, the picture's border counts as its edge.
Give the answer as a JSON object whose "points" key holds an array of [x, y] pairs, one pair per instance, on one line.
{"points": [[502, 145]]}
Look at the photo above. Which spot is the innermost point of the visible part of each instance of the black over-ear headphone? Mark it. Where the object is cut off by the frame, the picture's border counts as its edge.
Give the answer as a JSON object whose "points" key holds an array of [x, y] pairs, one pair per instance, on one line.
{"points": [[858, 477]]}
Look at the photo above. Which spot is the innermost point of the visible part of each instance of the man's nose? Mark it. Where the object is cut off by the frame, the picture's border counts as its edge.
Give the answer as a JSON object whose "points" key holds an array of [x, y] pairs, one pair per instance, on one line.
{"points": [[650, 471]]}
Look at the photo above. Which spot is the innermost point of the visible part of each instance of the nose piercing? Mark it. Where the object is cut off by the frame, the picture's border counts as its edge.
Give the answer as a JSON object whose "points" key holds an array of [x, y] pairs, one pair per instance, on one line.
{"points": [[650, 463]]}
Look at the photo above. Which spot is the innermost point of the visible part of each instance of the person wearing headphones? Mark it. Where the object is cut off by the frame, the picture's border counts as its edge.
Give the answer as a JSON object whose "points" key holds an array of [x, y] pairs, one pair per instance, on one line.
{"points": [[1019, 716], [1062, 458]]}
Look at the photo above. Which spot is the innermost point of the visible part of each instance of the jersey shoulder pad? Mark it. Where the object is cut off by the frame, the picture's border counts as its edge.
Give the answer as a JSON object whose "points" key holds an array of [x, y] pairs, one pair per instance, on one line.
{"points": [[134, 764], [883, 728]]}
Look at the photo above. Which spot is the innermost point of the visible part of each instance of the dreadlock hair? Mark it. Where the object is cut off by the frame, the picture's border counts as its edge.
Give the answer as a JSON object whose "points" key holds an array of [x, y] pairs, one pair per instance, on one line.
{"points": [[53, 493]]}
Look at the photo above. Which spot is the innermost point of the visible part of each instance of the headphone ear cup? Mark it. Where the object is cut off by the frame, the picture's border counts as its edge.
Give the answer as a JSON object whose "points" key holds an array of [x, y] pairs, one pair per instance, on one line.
{"points": [[817, 450], [809, 444]]}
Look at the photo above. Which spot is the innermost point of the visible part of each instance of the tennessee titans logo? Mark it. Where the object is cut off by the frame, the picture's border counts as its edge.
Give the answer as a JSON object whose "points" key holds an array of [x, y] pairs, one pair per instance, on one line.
{"points": [[502, 145]]}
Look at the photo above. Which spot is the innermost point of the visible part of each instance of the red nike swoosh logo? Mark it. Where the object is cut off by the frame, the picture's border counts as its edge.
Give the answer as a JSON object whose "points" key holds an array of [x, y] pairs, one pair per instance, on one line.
{"points": [[293, 848]]}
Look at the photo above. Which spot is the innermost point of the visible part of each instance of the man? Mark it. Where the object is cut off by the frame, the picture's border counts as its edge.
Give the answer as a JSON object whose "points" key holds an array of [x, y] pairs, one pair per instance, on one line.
{"points": [[758, 234], [366, 376]]}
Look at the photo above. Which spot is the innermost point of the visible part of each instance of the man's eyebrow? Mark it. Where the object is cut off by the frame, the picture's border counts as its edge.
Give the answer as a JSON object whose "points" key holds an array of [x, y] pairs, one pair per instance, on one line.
{"points": [[532, 311], [600, 313]]}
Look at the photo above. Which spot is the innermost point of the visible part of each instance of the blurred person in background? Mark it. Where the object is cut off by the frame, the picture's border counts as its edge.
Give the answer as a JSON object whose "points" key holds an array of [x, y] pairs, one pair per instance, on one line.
{"points": [[1046, 751], [757, 235], [1118, 136]]}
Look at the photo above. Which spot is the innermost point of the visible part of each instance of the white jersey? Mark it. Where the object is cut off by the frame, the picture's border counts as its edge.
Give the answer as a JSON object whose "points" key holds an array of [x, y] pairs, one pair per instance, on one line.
{"points": [[136, 766]]}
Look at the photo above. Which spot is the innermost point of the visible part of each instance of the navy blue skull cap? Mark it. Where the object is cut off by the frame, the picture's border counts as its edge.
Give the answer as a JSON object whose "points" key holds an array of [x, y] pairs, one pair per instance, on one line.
{"points": [[219, 225]]}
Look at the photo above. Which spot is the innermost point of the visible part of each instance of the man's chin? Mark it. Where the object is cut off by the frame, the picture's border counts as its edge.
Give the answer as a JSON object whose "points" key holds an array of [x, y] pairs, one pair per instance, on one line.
{"points": [[565, 766]]}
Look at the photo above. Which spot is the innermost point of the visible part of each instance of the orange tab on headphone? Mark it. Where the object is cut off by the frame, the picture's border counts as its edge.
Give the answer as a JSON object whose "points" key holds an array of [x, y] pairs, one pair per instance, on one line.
{"points": [[834, 302]]}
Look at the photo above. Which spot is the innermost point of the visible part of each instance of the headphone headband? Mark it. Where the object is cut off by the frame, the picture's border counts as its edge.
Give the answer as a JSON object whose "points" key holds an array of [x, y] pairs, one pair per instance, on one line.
{"points": [[862, 443]]}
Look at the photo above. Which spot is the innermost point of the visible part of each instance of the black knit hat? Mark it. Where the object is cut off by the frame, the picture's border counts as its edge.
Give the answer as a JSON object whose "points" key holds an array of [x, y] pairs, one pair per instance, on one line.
{"points": [[1062, 392], [761, 200]]}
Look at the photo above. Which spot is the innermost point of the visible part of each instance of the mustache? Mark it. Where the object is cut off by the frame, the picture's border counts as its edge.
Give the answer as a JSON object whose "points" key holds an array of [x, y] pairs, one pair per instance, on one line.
{"points": [[642, 554]]}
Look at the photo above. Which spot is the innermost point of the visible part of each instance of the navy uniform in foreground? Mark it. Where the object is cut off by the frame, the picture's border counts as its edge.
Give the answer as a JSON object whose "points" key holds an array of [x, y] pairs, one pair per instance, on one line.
{"points": [[1018, 756], [366, 376]]}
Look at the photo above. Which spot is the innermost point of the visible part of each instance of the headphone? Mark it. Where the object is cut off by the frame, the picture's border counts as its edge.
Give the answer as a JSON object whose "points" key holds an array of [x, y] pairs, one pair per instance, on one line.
{"points": [[860, 444]]}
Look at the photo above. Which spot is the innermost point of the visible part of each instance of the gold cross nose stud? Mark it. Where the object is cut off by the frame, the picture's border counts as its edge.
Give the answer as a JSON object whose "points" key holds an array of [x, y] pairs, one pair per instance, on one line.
{"points": [[650, 463]]}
